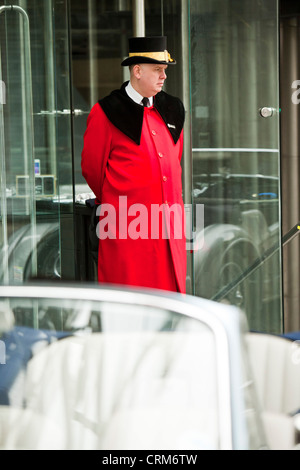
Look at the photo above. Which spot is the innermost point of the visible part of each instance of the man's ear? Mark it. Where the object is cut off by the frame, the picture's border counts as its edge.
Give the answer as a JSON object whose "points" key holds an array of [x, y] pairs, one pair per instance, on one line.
{"points": [[137, 71]]}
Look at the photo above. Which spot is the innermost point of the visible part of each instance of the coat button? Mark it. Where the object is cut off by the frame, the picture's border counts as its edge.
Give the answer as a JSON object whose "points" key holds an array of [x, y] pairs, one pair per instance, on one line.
{"points": [[165, 179], [153, 132], [160, 155]]}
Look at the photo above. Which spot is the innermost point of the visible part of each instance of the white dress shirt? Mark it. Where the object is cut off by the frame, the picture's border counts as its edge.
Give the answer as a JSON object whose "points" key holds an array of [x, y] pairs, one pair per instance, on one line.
{"points": [[135, 96]]}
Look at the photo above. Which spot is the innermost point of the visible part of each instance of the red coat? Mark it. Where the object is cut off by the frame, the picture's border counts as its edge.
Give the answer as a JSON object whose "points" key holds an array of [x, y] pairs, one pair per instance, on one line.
{"points": [[135, 184]]}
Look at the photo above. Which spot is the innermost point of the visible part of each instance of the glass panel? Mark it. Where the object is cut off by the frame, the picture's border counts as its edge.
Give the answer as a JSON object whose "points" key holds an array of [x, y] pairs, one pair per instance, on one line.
{"points": [[36, 176], [99, 36], [17, 154], [100, 32], [234, 73], [107, 375]]}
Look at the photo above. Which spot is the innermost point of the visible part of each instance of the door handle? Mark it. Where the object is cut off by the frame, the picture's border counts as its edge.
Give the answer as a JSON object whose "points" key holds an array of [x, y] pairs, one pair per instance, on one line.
{"points": [[267, 112]]}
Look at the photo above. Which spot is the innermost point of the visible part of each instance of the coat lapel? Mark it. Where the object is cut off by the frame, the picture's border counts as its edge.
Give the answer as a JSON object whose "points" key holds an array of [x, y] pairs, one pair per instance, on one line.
{"points": [[128, 116]]}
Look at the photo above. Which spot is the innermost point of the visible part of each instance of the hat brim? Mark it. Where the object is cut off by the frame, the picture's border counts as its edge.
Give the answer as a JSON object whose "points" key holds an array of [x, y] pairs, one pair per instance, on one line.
{"points": [[144, 60]]}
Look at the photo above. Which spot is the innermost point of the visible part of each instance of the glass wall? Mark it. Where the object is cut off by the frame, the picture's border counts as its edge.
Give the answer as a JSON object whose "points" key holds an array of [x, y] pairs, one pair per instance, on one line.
{"points": [[99, 35], [36, 157], [58, 58], [226, 73], [235, 145]]}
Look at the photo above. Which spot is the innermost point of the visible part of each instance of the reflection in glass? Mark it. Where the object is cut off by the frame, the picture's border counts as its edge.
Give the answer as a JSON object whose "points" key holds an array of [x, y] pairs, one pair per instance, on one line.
{"points": [[38, 163], [234, 73]]}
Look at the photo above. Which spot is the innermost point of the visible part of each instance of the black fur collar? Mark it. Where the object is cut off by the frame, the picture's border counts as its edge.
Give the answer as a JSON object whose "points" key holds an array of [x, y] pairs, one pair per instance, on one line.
{"points": [[128, 116]]}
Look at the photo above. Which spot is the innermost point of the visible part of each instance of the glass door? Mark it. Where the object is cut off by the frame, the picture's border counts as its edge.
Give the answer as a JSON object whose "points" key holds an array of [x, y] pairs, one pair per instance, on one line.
{"points": [[35, 139], [17, 177], [235, 141]]}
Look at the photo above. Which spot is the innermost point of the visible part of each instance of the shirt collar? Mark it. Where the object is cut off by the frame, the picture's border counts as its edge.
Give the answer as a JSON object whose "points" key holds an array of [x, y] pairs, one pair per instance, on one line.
{"points": [[135, 96]]}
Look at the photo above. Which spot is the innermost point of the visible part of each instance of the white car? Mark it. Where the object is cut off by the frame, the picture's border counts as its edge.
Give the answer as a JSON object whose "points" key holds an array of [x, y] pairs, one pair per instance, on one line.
{"points": [[88, 368]]}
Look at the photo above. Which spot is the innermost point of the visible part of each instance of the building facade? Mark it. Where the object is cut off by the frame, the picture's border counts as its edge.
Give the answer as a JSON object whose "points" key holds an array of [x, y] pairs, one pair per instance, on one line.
{"points": [[238, 75]]}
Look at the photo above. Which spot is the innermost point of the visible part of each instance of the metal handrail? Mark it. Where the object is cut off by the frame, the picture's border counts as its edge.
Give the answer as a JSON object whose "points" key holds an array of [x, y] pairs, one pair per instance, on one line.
{"points": [[293, 233]]}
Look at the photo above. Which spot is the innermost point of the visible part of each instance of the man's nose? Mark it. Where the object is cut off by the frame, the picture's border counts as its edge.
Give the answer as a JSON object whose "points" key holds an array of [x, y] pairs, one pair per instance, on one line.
{"points": [[163, 75]]}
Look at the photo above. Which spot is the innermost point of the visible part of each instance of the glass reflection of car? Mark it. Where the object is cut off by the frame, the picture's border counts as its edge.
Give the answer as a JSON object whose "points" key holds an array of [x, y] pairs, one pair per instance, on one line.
{"points": [[90, 368], [241, 219]]}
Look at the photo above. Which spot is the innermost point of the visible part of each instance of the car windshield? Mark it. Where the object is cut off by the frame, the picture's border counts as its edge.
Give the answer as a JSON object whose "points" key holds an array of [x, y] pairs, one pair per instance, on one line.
{"points": [[105, 374]]}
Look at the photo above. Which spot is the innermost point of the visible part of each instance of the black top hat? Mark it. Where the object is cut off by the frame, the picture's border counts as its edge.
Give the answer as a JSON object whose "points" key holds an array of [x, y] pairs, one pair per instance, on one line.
{"points": [[148, 50]]}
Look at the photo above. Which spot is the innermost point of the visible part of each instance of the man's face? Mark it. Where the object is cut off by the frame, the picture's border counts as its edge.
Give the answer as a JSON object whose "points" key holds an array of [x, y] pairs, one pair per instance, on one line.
{"points": [[151, 78]]}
